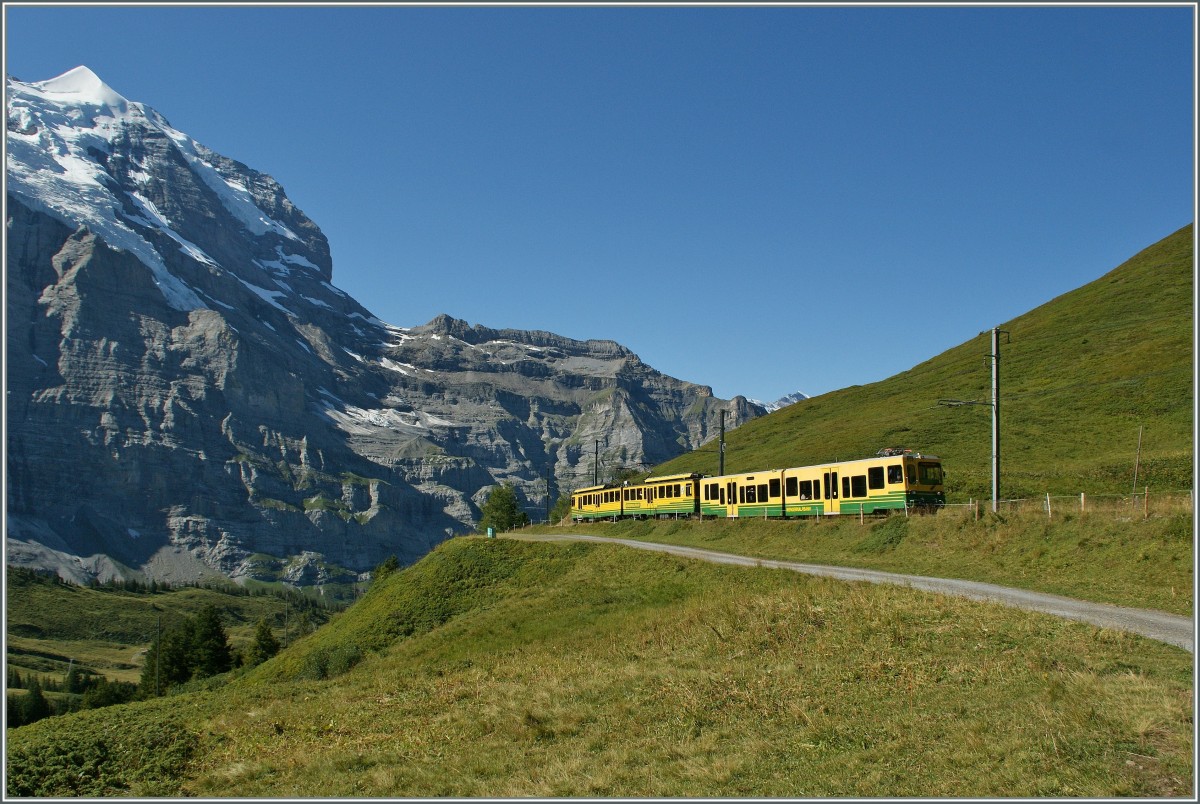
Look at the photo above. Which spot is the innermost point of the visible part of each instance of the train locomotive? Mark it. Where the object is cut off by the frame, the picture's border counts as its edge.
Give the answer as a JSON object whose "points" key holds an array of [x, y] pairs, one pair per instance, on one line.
{"points": [[893, 480]]}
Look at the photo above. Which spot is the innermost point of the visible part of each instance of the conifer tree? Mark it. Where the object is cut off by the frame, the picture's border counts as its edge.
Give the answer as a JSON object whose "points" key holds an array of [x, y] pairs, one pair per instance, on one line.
{"points": [[35, 706], [502, 510], [265, 644], [211, 654]]}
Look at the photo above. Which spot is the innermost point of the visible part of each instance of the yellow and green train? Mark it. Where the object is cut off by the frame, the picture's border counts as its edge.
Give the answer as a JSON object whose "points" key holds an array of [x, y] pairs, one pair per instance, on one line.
{"points": [[893, 480]]}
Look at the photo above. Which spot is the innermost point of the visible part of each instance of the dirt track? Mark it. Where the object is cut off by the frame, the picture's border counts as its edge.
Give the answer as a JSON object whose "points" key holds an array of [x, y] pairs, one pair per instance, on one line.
{"points": [[1174, 629]]}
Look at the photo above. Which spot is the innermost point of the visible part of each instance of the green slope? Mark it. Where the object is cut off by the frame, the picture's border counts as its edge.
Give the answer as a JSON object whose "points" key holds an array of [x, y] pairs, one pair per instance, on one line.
{"points": [[497, 668], [1080, 375], [52, 625]]}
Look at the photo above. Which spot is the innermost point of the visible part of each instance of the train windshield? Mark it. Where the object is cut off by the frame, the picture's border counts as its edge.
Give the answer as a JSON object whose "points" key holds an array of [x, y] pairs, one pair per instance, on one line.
{"points": [[930, 474]]}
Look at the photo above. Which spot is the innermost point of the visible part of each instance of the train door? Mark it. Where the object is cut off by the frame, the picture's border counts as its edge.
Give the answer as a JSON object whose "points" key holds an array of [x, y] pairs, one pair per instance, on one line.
{"points": [[830, 489], [730, 494]]}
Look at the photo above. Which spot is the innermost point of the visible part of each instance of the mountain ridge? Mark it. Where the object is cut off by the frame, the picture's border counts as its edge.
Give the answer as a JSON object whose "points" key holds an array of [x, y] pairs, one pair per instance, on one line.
{"points": [[189, 394]]}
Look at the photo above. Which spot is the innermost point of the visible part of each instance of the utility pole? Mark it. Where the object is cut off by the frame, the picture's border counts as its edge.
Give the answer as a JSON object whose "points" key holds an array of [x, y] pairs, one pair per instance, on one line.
{"points": [[995, 419], [1137, 460], [157, 654], [547, 494], [721, 463], [596, 465], [995, 405]]}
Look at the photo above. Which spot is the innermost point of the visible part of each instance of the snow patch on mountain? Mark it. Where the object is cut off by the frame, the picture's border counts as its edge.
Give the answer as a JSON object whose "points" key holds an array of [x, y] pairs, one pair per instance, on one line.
{"points": [[60, 135]]}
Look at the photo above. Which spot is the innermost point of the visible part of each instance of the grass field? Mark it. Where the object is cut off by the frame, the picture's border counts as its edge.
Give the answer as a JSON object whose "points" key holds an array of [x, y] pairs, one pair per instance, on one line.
{"points": [[595, 670], [1142, 563]]}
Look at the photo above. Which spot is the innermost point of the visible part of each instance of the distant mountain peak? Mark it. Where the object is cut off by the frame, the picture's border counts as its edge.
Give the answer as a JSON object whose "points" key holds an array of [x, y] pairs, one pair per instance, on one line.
{"points": [[82, 153], [81, 86], [782, 402]]}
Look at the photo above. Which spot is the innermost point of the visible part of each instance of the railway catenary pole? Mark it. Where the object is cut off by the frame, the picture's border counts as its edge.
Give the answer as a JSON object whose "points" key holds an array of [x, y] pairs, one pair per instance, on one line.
{"points": [[995, 419], [995, 405], [721, 449]]}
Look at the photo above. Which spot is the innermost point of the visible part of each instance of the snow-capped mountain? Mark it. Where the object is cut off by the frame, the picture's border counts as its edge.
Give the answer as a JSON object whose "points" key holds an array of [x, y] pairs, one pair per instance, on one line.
{"points": [[188, 393], [782, 402]]}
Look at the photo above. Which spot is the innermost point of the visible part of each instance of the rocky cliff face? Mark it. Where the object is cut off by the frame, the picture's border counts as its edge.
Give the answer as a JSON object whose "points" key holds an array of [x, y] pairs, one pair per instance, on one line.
{"points": [[188, 394]]}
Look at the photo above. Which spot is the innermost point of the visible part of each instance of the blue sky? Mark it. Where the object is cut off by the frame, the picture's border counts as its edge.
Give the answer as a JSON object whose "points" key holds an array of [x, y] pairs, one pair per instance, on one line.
{"points": [[763, 200]]}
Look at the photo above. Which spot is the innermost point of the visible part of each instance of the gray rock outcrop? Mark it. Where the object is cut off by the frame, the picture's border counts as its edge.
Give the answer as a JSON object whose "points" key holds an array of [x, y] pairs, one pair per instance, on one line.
{"points": [[188, 394]]}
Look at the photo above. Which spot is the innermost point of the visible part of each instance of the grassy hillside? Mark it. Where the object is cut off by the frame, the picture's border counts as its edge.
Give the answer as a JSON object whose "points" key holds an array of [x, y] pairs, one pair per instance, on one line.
{"points": [[1079, 375], [595, 670], [1098, 557], [52, 624]]}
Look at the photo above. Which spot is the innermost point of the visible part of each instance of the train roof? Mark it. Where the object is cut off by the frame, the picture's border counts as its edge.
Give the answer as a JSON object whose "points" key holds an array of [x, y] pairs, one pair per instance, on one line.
{"points": [[685, 476]]}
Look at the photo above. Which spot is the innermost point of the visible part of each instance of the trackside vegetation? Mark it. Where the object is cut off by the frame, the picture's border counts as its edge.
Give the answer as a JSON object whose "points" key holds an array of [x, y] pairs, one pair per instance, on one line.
{"points": [[1123, 560], [595, 670]]}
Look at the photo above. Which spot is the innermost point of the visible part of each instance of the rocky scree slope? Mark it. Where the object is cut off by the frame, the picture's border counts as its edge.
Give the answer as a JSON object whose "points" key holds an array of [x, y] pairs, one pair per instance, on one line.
{"points": [[188, 394]]}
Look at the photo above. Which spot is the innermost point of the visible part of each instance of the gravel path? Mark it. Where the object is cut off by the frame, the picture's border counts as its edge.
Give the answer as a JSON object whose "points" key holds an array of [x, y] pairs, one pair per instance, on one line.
{"points": [[1174, 629]]}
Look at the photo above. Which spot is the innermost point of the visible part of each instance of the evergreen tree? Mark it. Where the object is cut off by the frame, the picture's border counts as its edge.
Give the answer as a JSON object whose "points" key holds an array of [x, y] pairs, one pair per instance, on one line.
{"points": [[76, 681], [170, 661], [265, 644], [386, 568], [502, 510], [107, 693], [35, 706], [14, 714], [210, 654]]}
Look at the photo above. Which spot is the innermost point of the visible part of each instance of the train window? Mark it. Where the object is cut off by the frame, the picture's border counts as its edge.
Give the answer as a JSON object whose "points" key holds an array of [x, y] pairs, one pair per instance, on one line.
{"points": [[714, 491], [791, 487], [677, 494], [895, 473], [751, 494], [775, 487], [762, 492], [875, 477], [831, 485], [806, 490], [911, 472], [742, 494], [931, 473], [845, 487], [816, 489], [858, 486]]}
